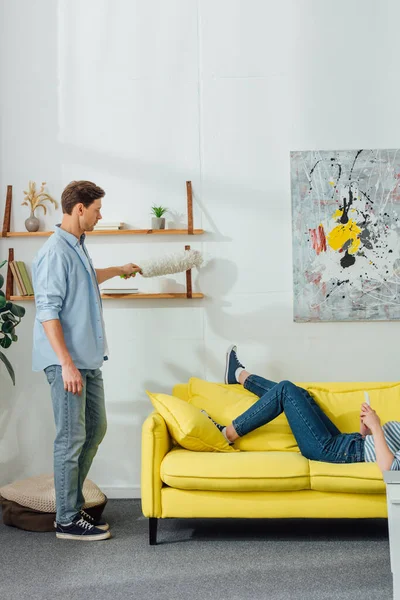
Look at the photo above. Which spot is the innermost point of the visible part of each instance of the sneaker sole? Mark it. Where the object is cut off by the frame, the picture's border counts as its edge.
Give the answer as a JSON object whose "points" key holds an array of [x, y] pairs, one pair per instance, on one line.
{"points": [[84, 538], [227, 362]]}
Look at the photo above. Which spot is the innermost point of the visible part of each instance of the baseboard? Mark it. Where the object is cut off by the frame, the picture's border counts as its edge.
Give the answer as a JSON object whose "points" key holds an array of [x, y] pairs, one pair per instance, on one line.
{"points": [[120, 492]]}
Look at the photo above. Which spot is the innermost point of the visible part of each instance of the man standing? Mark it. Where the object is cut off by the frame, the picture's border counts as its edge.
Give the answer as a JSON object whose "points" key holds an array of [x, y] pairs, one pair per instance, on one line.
{"points": [[69, 344]]}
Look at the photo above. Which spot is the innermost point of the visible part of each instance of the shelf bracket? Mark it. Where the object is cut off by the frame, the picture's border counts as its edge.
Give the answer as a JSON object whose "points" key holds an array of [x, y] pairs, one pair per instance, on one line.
{"points": [[189, 194], [10, 277], [7, 213], [189, 292]]}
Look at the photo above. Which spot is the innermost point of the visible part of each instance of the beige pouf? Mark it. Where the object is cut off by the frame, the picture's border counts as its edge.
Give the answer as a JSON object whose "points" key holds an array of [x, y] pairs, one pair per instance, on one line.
{"points": [[30, 504]]}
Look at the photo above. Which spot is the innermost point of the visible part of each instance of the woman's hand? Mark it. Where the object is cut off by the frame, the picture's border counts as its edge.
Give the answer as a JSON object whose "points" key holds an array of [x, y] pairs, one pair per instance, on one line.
{"points": [[369, 417], [364, 430]]}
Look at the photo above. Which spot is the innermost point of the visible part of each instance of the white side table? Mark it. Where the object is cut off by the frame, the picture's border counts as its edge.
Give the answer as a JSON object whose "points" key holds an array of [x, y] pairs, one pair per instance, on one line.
{"points": [[392, 480]]}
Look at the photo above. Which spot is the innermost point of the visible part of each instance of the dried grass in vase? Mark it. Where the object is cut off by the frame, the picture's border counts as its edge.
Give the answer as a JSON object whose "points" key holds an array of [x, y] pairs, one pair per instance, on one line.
{"points": [[35, 200]]}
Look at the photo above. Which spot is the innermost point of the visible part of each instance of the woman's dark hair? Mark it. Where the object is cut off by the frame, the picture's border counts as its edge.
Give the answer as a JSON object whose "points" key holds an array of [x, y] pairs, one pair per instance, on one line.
{"points": [[80, 192]]}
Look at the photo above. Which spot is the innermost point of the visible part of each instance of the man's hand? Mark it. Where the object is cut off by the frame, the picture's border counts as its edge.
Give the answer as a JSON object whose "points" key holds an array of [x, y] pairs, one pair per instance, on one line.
{"points": [[126, 271], [72, 379], [369, 417], [130, 270]]}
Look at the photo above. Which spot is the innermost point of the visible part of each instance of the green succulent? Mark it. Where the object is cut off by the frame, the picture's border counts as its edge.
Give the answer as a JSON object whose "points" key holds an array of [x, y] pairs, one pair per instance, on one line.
{"points": [[10, 317], [158, 211]]}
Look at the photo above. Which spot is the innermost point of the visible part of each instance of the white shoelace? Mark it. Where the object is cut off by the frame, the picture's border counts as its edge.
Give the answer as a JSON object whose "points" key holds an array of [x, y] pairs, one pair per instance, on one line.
{"points": [[86, 516], [84, 524]]}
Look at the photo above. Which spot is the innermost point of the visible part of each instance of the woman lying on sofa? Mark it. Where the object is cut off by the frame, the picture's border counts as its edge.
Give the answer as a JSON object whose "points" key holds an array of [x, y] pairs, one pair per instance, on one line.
{"points": [[317, 437]]}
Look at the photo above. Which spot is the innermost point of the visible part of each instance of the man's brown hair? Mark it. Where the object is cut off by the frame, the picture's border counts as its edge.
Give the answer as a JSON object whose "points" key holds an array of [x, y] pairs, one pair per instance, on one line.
{"points": [[80, 192]]}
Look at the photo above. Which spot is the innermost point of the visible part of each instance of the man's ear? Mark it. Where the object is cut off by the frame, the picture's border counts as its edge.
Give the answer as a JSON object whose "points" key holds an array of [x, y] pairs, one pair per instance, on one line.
{"points": [[79, 209]]}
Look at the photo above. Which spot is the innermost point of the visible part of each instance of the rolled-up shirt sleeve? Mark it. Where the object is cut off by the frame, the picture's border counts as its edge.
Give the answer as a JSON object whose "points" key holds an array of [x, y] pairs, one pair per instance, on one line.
{"points": [[50, 286], [396, 462]]}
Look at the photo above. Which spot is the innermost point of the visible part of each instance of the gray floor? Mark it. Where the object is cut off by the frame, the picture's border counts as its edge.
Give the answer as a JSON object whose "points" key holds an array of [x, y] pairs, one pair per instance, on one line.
{"points": [[200, 559]]}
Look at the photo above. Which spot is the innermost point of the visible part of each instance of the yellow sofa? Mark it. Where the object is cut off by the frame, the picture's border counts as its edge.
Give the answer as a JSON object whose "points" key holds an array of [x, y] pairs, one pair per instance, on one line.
{"points": [[268, 478]]}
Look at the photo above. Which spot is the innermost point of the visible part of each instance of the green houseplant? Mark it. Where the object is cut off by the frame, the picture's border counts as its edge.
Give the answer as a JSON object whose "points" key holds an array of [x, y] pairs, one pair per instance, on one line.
{"points": [[158, 221], [10, 318]]}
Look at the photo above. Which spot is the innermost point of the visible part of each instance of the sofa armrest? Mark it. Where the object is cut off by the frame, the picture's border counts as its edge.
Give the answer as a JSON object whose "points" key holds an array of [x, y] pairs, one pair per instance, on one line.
{"points": [[156, 443]]}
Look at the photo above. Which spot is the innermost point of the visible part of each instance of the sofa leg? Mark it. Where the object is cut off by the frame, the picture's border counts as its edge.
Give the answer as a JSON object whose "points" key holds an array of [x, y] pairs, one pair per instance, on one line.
{"points": [[153, 521]]}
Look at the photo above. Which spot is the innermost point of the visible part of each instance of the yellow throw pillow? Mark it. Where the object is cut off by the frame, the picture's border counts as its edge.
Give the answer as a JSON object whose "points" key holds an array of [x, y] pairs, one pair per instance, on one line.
{"points": [[190, 428], [343, 408], [226, 402]]}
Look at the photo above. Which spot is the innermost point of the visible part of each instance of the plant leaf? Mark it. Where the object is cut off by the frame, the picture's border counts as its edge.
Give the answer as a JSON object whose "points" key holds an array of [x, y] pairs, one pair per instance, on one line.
{"points": [[5, 342], [8, 366], [2, 263], [1, 281], [8, 327], [3, 302], [16, 310], [8, 317]]}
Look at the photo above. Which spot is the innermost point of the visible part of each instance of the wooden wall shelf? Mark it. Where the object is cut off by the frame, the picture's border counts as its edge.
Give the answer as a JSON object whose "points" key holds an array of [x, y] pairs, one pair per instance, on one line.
{"points": [[188, 294], [12, 234], [123, 296], [5, 232]]}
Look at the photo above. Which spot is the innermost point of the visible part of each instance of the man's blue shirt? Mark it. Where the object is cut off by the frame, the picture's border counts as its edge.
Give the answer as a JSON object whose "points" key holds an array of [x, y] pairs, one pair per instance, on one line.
{"points": [[65, 285]]}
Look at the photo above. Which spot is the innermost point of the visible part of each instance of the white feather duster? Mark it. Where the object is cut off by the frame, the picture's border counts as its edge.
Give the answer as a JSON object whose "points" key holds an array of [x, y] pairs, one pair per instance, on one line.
{"points": [[173, 263]]}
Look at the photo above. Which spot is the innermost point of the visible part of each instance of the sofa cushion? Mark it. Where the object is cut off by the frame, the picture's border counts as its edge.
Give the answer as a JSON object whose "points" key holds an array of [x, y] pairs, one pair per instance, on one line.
{"points": [[359, 478], [188, 426], [343, 407], [225, 402], [243, 471]]}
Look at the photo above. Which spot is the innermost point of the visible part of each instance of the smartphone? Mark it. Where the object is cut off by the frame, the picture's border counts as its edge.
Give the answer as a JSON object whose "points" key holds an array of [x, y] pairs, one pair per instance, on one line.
{"points": [[367, 400]]}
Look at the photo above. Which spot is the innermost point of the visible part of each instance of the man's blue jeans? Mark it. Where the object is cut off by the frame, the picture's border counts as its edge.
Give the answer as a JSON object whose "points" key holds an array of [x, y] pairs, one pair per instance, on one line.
{"points": [[81, 424], [317, 437]]}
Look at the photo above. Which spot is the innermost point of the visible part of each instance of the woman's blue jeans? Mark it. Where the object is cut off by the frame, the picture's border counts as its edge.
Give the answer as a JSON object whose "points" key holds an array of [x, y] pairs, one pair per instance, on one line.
{"points": [[81, 424], [317, 437]]}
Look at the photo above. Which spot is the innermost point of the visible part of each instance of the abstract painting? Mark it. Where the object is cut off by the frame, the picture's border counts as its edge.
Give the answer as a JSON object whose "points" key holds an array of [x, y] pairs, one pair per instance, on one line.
{"points": [[346, 235]]}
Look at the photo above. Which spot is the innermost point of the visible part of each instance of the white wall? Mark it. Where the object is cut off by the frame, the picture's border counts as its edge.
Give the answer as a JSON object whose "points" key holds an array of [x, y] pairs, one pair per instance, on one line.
{"points": [[140, 96]]}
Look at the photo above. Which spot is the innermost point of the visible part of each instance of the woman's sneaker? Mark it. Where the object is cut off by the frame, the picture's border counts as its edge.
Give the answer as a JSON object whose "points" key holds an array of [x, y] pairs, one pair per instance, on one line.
{"points": [[99, 523], [218, 425], [232, 364], [81, 530], [221, 428]]}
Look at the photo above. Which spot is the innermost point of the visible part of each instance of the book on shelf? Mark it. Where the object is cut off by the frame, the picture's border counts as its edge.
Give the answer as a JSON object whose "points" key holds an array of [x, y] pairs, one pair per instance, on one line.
{"points": [[112, 291], [21, 278], [25, 277], [17, 279], [113, 225]]}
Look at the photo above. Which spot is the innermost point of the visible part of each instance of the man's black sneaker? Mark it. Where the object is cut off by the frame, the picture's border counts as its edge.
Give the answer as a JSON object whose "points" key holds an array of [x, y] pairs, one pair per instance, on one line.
{"points": [[81, 530], [99, 523]]}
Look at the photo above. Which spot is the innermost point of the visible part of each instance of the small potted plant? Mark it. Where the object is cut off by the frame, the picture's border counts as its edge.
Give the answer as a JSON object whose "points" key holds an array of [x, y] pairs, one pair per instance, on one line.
{"points": [[35, 199], [158, 221], [10, 317]]}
